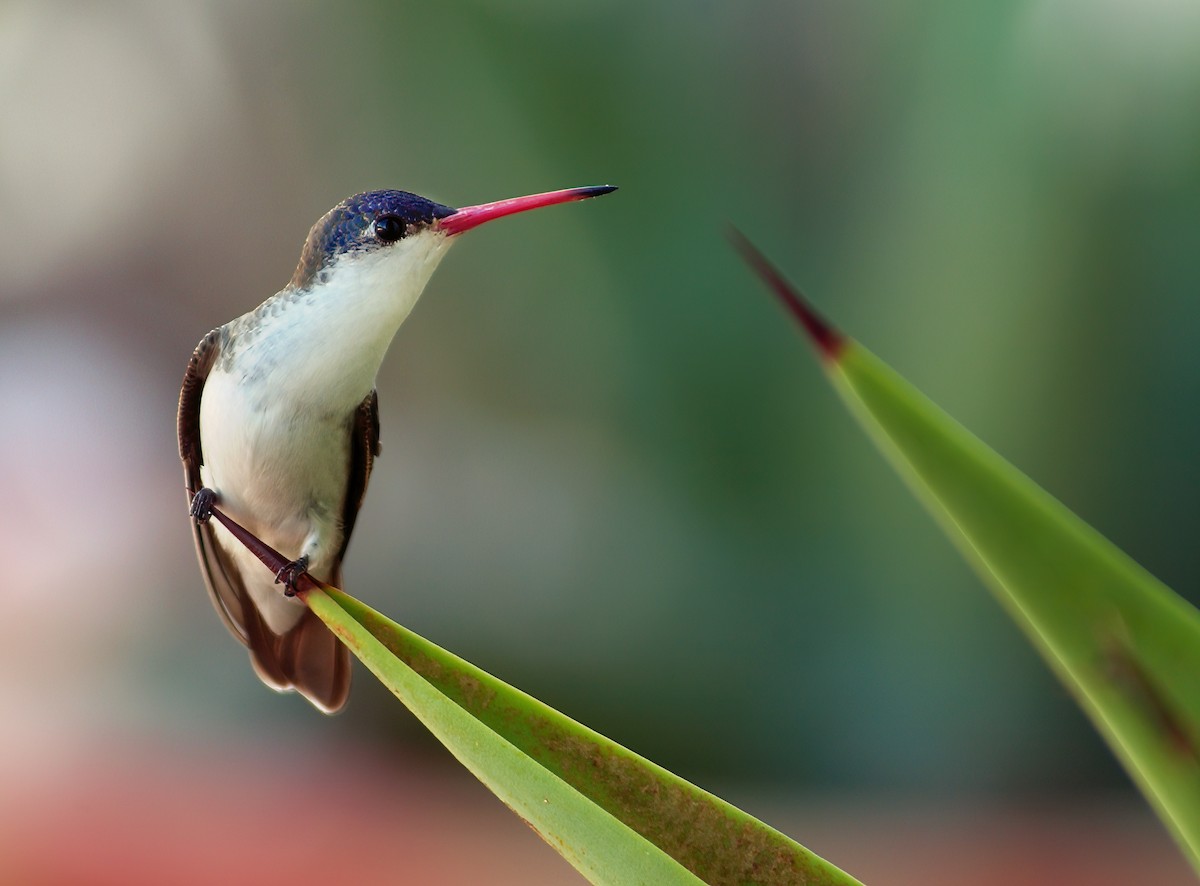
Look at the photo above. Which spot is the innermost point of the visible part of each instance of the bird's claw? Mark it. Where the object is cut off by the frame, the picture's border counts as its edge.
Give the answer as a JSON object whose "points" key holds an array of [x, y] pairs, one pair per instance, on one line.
{"points": [[290, 574], [202, 505]]}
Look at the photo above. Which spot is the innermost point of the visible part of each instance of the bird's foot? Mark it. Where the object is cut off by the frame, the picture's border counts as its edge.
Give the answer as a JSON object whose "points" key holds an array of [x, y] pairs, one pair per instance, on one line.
{"points": [[202, 504], [290, 574]]}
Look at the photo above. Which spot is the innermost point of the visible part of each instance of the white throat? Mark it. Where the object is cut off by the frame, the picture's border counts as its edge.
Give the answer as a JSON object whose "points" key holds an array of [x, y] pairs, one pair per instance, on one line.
{"points": [[323, 345]]}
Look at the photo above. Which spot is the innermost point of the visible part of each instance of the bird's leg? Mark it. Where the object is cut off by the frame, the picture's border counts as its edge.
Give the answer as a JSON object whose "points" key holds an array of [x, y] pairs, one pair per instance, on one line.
{"points": [[290, 574], [202, 504], [322, 536]]}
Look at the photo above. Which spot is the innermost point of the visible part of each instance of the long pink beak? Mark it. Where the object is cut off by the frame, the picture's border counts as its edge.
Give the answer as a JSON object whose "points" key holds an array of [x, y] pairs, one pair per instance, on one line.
{"points": [[473, 216]]}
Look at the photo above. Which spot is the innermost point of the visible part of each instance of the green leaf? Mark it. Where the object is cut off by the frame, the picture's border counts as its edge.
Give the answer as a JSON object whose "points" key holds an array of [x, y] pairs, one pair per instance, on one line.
{"points": [[615, 816], [598, 845], [1125, 645]]}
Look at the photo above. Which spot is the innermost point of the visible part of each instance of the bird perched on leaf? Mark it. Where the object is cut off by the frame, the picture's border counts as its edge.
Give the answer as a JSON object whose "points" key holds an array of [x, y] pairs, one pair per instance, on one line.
{"points": [[279, 420]]}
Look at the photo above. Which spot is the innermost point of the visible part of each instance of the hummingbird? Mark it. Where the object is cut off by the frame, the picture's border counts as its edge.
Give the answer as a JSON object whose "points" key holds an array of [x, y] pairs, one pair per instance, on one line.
{"points": [[279, 420]]}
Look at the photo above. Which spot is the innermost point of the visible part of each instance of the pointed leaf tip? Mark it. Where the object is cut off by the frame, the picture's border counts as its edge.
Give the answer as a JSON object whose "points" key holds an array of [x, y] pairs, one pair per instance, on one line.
{"points": [[828, 340]]}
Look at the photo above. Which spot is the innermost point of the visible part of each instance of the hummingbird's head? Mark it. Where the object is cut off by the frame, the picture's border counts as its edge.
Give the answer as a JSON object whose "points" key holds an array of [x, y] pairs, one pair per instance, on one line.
{"points": [[363, 224], [395, 235]]}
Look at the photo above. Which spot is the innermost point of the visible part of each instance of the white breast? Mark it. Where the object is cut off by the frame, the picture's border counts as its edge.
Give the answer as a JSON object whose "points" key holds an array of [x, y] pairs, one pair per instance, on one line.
{"points": [[276, 411]]}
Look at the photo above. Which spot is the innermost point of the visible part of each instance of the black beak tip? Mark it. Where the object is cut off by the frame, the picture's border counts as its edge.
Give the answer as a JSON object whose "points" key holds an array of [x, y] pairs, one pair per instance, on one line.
{"points": [[595, 191]]}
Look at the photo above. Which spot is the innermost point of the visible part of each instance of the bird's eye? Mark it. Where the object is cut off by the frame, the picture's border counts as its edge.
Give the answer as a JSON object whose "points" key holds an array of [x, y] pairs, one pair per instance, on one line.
{"points": [[388, 228]]}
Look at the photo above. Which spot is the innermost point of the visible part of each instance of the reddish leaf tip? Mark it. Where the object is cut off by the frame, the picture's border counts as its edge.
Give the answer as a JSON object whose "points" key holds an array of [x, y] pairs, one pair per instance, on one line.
{"points": [[829, 341]]}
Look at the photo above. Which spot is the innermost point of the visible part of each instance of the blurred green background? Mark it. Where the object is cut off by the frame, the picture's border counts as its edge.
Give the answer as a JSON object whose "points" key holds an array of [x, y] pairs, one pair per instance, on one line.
{"points": [[612, 474]]}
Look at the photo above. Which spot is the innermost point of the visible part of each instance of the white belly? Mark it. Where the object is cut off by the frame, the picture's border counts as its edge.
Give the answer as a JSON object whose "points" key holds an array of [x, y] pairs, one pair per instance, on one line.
{"points": [[279, 468]]}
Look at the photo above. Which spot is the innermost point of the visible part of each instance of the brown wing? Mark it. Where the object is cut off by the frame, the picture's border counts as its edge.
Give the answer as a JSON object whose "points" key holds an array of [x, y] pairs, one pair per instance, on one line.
{"points": [[221, 578], [364, 449]]}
